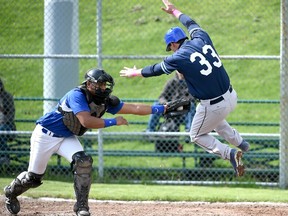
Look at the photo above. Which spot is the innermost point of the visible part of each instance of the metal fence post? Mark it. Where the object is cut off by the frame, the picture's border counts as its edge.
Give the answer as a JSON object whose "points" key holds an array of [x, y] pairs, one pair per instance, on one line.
{"points": [[283, 178], [100, 155], [99, 32], [60, 37]]}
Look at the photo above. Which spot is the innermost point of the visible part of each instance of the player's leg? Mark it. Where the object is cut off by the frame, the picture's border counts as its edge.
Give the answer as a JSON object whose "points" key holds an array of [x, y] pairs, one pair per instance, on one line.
{"points": [[208, 118], [42, 147], [225, 130], [82, 169], [19, 185], [205, 120], [81, 165], [200, 135], [232, 136], [212, 117]]}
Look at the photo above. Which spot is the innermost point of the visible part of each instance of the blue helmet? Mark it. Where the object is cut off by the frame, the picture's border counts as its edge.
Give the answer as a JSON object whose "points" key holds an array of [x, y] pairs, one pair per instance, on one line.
{"points": [[174, 35]]}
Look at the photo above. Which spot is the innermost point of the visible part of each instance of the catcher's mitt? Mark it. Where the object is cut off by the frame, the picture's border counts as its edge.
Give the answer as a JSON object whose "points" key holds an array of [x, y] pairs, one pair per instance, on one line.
{"points": [[177, 108]]}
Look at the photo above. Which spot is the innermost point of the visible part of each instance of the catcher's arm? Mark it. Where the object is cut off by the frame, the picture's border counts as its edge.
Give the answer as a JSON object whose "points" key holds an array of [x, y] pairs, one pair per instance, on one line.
{"points": [[142, 109]]}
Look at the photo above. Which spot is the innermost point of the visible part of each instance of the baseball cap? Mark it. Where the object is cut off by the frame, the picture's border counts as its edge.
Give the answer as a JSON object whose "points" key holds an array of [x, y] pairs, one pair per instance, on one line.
{"points": [[174, 34]]}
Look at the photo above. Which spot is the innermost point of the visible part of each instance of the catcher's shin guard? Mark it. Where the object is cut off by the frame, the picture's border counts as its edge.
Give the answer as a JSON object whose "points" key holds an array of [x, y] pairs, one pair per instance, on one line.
{"points": [[82, 169], [18, 186]]}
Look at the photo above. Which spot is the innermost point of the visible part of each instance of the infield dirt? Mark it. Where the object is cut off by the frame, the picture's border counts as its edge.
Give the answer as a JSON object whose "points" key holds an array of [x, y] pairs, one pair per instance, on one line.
{"points": [[61, 207]]}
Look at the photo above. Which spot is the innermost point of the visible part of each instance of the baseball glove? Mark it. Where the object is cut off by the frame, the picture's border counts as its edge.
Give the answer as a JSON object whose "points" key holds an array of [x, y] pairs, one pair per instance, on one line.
{"points": [[177, 108]]}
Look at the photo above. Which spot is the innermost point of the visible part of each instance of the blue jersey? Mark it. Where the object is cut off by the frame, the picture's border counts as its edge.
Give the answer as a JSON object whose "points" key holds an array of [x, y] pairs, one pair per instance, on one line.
{"points": [[76, 101], [198, 61]]}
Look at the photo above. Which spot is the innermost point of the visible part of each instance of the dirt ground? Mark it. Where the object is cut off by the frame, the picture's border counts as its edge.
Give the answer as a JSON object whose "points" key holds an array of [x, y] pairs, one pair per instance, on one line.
{"points": [[61, 207]]}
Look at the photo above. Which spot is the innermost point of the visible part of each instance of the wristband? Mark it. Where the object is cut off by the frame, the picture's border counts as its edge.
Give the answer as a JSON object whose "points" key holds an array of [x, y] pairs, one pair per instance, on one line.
{"points": [[157, 109], [176, 12], [110, 122], [134, 73]]}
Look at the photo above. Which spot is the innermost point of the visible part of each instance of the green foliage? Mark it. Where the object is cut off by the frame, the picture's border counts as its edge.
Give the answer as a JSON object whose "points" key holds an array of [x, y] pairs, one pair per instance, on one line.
{"points": [[137, 28]]}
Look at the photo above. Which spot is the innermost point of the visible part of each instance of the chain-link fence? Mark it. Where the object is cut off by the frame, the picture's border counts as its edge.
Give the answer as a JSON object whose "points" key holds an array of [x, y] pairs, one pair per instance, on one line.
{"points": [[47, 46]]}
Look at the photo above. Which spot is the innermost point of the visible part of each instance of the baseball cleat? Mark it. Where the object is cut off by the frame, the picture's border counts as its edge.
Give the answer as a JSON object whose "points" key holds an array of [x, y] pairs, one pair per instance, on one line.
{"points": [[82, 212], [11, 203], [244, 146], [236, 161]]}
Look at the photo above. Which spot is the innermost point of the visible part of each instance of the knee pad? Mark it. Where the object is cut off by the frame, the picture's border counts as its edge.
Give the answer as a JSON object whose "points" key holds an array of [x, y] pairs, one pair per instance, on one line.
{"points": [[81, 163], [30, 179], [23, 182]]}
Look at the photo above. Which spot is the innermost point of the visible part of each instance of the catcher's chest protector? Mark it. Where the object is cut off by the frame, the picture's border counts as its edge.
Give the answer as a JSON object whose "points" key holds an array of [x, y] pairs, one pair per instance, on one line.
{"points": [[71, 121]]}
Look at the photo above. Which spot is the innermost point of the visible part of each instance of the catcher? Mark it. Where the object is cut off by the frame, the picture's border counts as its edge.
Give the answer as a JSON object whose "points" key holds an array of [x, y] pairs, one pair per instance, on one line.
{"points": [[56, 133]]}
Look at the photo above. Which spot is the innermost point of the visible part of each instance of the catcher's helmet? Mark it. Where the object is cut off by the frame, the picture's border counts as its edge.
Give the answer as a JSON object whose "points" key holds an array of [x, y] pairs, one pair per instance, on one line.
{"points": [[100, 76], [174, 34]]}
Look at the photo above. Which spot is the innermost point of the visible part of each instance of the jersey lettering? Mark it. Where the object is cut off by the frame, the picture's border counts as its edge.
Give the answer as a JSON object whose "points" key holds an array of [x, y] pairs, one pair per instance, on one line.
{"points": [[204, 61]]}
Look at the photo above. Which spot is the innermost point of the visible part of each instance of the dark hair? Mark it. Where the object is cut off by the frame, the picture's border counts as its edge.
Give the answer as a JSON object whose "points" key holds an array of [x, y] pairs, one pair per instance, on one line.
{"points": [[181, 41]]}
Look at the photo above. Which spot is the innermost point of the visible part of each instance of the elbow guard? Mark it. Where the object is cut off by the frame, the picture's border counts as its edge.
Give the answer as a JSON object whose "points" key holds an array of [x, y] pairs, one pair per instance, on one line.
{"points": [[113, 101]]}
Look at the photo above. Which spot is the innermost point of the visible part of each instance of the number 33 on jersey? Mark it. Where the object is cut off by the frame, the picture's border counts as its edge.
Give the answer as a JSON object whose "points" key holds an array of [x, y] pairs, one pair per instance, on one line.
{"points": [[202, 60]]}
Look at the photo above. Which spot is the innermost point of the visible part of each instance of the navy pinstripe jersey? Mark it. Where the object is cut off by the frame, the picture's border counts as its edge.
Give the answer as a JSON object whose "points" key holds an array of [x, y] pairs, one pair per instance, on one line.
{"points": [[198, 61]]}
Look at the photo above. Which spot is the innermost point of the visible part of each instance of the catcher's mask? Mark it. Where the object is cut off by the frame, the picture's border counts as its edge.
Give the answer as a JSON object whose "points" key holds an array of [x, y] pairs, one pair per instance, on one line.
{"points": [[174, 35], [100, 76]]}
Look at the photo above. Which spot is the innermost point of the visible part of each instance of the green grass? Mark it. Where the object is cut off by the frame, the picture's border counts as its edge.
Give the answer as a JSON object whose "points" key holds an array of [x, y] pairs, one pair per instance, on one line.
{"points": [[138, 29], [158, 192]]}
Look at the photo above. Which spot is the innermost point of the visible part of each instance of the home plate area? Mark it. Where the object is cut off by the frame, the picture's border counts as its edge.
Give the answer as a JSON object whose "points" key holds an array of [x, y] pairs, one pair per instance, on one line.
{"points": [[64, 207]]}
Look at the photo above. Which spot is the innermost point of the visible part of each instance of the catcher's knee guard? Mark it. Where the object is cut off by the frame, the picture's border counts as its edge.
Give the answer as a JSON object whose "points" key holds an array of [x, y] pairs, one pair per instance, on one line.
{"points": [[82, 168], [18, 186], [23, 182]]}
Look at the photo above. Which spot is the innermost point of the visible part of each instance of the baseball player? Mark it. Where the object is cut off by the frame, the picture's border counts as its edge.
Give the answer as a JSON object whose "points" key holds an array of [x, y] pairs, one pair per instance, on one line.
{"points": [[56, 133], [207, 80], [7, 123]]}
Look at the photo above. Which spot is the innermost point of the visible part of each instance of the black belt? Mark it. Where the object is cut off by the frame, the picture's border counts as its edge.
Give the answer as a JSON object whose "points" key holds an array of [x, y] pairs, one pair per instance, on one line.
{"points": [[45, 131], [217, 100]]}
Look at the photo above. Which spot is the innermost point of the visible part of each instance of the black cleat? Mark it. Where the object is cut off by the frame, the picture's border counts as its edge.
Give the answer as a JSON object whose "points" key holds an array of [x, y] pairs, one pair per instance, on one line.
{"points": [[11, 203]]}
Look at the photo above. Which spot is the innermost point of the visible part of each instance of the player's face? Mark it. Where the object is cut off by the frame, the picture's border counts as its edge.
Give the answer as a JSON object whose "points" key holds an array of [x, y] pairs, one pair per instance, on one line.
{"points": [[93, 87], [174, 46]]}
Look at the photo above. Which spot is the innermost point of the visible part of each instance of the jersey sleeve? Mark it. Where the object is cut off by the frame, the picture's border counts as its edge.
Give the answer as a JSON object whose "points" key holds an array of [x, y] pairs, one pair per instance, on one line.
{"points": [[190, 24], [76, 101], [167, 66], [152, 70], [195, 31], [115, 109]]}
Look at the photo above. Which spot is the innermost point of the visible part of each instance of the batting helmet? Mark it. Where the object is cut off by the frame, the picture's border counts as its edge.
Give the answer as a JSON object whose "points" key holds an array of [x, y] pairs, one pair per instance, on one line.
{"points": [[174, 34], [100, 76]]}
